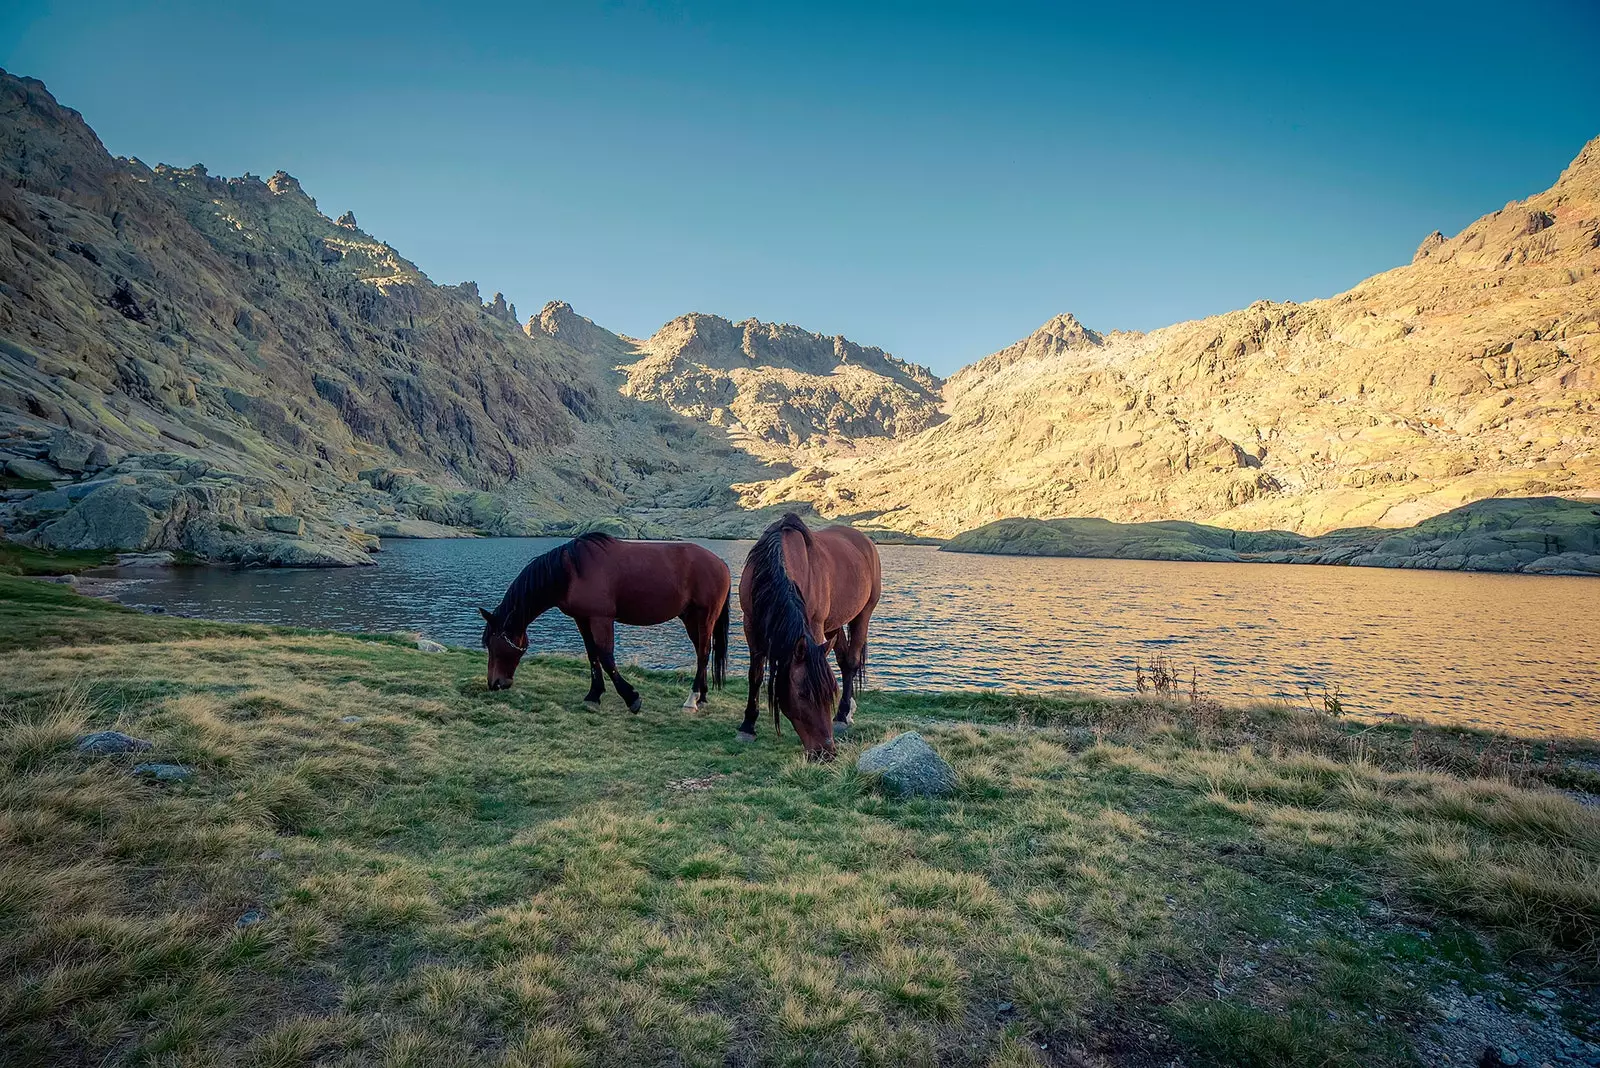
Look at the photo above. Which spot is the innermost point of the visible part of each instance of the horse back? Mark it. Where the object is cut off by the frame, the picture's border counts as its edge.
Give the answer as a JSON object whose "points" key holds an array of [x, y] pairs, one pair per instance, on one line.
{"points": [[648, 582], [853, 571]]}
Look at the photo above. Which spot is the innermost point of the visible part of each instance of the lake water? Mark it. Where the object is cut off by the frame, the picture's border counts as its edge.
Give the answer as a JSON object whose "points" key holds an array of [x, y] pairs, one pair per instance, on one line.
{"points": [[1517, 652]]}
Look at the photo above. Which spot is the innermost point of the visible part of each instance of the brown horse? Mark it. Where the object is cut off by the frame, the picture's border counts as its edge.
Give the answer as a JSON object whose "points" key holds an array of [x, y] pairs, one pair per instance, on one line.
{"points": [[600, 581], [801, 592]]}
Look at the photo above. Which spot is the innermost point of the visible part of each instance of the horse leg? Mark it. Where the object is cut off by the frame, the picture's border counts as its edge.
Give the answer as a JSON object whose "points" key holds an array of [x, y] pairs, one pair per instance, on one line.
{"points": [[758, 666], [852, 654], [605, 640], [597, 682], [696, 623]]}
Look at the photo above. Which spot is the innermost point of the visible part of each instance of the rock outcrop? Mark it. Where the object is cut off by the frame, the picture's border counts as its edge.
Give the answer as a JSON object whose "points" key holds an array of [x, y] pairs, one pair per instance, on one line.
{"points": [[780, 390], [1539, 535]]}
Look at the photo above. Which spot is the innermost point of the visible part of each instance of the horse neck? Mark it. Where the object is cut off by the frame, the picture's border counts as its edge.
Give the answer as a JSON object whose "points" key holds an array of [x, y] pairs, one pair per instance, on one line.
{"points": [[526, 601]]}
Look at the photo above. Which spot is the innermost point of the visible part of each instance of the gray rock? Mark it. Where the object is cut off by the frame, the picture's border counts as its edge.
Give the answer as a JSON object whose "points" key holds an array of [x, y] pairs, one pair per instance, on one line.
{"points": [[270, 854], [907, 766], [286, 524], [250, 919], [164, 772], [70, 450], [31, 469], [156, 559], [105, 455], [108, 743], [428, 645]]}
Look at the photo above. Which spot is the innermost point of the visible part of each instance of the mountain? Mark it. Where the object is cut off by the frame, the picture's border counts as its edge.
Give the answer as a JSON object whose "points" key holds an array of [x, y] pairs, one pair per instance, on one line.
{"points": [[782, 392], [219, 367], [214, 365], [1472, 372]]}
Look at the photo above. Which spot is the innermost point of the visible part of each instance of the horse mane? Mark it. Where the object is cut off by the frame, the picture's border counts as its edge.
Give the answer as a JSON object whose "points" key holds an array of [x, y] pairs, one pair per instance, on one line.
{"points": [[544, 581], [778, 612]]}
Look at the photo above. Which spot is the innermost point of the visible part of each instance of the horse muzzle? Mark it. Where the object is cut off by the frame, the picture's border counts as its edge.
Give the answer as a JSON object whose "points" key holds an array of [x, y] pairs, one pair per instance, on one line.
{"points": [[499, 684]]}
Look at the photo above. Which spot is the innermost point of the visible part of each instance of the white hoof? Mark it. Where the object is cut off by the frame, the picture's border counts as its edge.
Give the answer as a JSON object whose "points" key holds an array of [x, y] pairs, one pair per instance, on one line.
{"points": [[743, 737], [592, 706], [691, 703]]}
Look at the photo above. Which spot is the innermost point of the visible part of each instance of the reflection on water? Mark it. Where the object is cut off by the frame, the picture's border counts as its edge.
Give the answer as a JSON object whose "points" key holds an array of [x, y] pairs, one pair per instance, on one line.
{"points": [[1516, 652]]}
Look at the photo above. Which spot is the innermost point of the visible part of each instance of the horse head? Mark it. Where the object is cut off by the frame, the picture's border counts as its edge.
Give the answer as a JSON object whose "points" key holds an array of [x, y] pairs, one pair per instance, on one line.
{"points": [[505, 650], [806, 693]]}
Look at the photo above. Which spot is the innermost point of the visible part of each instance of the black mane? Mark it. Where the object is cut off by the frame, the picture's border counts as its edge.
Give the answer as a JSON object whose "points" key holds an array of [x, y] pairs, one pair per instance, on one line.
{"points": [[778, 612], [544, 581]]}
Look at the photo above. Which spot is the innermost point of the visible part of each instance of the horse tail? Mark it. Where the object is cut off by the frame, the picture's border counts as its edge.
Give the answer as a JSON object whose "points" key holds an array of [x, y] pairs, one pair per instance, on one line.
{"points": [[719, 642], [859, 675]]}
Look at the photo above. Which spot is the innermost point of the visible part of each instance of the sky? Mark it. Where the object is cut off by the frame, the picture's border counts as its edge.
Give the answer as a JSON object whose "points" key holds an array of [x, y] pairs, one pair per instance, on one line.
{"points": [[935, 179]]}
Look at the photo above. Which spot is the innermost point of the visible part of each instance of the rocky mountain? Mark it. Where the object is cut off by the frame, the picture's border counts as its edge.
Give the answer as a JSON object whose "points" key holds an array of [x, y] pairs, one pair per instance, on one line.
{"points": [[782, 392], [215, 365], [1472, 372]]}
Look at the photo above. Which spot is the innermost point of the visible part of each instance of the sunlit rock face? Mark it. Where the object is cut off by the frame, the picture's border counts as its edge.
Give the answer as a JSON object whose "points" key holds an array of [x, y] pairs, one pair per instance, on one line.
{"points": [[783, 392], [158, 311], [1473, 372]]}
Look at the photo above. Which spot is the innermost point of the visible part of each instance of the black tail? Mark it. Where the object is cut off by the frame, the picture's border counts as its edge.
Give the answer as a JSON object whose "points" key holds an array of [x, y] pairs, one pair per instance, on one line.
{"points": [[719, 643], [858, 679]]}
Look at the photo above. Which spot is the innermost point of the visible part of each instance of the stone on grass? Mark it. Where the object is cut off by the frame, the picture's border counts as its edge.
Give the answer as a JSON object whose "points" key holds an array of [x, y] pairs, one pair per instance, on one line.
{"points": [[250, 919], [428, 645], [164, 772], [109, 743], [908, 767]]}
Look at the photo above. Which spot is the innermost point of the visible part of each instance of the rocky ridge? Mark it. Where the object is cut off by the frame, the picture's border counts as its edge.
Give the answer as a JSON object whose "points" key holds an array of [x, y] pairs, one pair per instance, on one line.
{"points": [[249, 380], [782, 392], [1473, 372]]}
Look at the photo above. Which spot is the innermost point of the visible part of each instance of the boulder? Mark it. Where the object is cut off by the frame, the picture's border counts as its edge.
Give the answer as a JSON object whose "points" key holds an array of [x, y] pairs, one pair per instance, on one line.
{"points": [[907, 766], [286, 524], [34, 470], [110, 743], [428, 645], [164, 772], [71, 451]]}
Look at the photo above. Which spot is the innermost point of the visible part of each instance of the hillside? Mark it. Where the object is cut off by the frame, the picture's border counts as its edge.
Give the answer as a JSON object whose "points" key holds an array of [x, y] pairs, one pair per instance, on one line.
{"points": [[222, 368], [1472, 372]]}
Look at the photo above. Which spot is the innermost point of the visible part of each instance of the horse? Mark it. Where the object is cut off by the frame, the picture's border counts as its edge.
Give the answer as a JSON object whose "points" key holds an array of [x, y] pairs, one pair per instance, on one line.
{"points": [[600, 581], [802, 592]]}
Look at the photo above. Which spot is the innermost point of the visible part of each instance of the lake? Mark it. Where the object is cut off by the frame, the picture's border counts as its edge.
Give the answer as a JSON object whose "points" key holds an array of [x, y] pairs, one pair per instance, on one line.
{"points": [[1515, 652]]}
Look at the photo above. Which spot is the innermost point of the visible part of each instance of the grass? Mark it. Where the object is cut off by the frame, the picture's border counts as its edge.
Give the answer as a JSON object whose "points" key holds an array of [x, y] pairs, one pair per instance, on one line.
{"points": [[447, 876], [25, 560]]}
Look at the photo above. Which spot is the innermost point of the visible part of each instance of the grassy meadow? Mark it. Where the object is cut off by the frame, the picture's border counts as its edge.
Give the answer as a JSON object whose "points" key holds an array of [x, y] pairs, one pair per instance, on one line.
{"points": [[380, 862]]}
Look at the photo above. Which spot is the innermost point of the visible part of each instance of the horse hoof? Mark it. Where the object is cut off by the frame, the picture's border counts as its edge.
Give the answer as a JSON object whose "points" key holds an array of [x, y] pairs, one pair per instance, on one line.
{"points": [[592, 706], [636, 704], [745, 736], [691, 703]]}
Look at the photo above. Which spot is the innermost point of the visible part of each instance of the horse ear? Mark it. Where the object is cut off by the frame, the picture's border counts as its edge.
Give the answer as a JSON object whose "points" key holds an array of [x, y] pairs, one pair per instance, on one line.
{"points": [[801, 645], [487, 618]]}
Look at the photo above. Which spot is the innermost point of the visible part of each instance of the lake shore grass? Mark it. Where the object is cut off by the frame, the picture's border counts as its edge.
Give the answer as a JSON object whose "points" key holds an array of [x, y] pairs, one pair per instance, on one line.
{"points": [[379, 861]]}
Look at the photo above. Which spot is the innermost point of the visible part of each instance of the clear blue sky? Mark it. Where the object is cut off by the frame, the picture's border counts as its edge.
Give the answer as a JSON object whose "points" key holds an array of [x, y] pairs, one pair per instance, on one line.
{"points": [[935, 179]]}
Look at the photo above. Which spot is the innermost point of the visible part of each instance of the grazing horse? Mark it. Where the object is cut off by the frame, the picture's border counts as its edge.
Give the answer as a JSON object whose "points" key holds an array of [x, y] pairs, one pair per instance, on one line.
{"points": [[801, 592], [600, 581]]}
